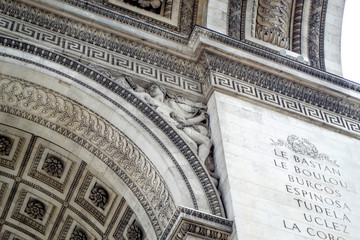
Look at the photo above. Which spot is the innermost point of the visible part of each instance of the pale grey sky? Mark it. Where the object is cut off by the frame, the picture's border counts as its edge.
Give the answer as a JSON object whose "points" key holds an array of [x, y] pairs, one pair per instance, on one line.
{"points": [[350, 48]]}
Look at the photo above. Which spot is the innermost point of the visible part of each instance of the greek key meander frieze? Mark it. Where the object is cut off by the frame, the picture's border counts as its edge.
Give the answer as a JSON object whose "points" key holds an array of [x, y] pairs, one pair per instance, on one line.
{"points": [[82, 38], [244, 73], [20, 95], [209, 189], [123, 52], [286, 103]]}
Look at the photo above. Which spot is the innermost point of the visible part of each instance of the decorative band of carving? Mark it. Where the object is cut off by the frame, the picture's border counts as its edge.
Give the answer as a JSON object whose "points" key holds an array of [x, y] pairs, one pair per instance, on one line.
{"points": [[235, 70], [273, 22], [299, 107], [79, 38], [234, 18], [186, 15], [268, 54], [296, 33], [195, 214], [316, 33], [209, 189], [135, 169], [83, 38], [199, 230]]}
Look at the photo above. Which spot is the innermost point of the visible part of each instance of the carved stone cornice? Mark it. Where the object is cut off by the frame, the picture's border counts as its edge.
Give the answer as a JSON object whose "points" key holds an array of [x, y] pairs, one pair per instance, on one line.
{"points": [[79, 38], [189, 221], [187, 14], [204, 178], [79, 35], [316, 26], [268, 88], [273, 82], [75, 38]]}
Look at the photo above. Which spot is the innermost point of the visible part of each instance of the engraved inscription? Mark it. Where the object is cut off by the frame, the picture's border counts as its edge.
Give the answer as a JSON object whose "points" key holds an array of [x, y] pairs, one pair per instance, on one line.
{"points": [[316, 185]]}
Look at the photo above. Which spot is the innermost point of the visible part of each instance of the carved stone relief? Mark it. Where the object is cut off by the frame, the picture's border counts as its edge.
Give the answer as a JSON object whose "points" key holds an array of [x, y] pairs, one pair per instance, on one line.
{"points": [[5, 145], [304, 147], [188, 117], [315, 33], [88, 36], [53, 166], [115, 9], [78, 234], [12, 149], [157, 196], [149, 5], [273, 22], [134, 232], [35, 209], [29, 201], [32, 210], [99, 196]]}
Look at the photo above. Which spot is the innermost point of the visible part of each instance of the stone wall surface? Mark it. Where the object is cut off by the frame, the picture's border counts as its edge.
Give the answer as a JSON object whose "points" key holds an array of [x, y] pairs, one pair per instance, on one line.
{"points": [[105, 108], [281, 177]]}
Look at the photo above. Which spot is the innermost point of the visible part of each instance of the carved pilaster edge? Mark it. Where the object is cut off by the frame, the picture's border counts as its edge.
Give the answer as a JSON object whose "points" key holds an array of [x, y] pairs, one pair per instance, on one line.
{"points": [[186, 221], [316, 29]]}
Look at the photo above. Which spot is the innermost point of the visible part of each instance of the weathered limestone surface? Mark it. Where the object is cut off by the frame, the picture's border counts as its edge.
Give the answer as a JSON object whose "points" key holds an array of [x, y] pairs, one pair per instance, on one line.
{"points": [[281, 177], [235, 128]]}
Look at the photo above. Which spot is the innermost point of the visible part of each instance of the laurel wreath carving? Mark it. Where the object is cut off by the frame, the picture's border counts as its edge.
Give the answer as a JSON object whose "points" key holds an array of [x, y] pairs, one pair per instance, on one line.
{"points": [[108, 139]]}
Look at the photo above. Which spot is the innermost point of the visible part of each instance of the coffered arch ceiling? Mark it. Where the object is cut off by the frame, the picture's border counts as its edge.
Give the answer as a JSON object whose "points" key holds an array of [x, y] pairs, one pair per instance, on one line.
{"points": [[80, 166]]}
